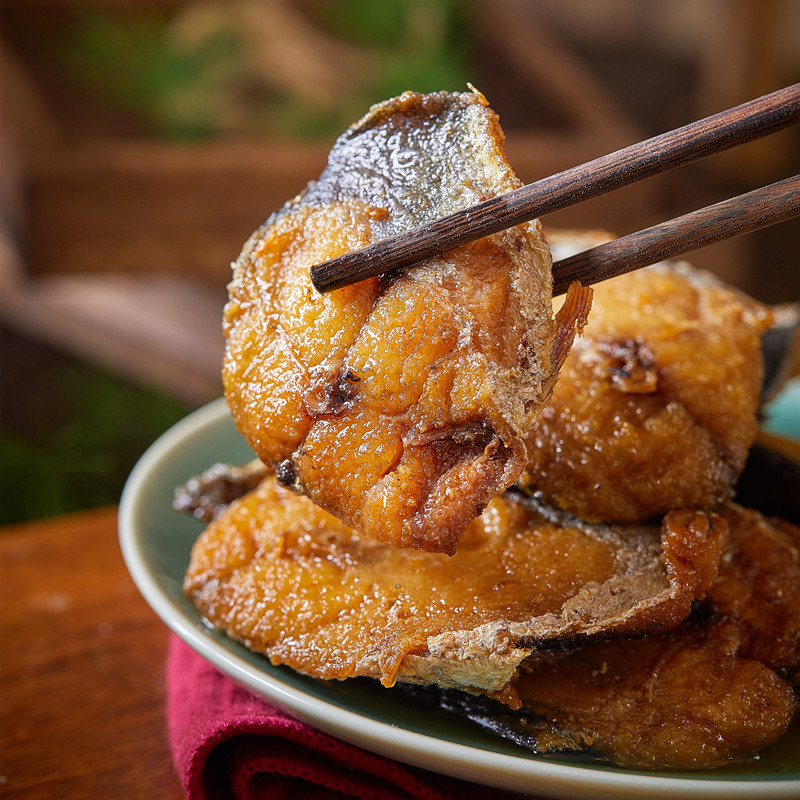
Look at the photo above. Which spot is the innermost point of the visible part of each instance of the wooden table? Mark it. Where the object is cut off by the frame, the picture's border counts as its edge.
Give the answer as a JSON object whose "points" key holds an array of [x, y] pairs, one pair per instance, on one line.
{"points": [[82, 667]]}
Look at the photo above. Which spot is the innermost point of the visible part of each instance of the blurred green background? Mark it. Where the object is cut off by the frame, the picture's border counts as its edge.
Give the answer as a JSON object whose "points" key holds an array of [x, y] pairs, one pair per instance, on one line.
{"points": [[72, 441], [202, 72]]}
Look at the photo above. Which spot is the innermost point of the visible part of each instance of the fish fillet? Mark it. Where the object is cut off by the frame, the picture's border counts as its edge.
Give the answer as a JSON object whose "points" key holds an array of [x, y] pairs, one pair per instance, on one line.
{"points": [[719, 687], [400, 404], [656, 406], [289, 580]]}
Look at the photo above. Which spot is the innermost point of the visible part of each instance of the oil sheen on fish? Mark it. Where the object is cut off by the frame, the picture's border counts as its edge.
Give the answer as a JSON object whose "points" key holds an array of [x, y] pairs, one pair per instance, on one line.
{"points": [[400, 404], [289, 580], [657, 403], [716, 689]]}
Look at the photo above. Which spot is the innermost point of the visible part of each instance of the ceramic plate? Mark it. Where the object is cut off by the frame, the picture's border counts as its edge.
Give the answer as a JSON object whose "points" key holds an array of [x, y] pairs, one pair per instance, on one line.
{"points": [[156, 542]]}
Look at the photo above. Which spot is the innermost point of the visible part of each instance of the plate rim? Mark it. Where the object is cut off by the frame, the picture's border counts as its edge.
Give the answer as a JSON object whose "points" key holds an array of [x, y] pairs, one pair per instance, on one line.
{"points": [[500, 770]]}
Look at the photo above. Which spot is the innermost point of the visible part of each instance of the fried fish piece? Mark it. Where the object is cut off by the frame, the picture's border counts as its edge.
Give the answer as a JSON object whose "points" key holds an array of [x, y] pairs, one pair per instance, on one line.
{"points": [[718, 688], [400, 404], [656, 406], [289, 580]]}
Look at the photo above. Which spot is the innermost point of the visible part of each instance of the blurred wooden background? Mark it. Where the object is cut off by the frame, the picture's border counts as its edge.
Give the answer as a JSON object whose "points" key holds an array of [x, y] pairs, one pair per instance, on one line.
{"points": [[117, 230]]}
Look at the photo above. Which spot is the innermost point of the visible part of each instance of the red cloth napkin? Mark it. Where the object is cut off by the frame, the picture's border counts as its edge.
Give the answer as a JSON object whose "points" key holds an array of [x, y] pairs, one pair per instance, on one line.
{"points": [[228, 743]]}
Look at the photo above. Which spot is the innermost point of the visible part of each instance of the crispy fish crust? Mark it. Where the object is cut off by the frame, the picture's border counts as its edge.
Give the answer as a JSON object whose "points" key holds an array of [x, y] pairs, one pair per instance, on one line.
{"points": [[399, 404], [715, 689], [291, 581], [656, 405]]}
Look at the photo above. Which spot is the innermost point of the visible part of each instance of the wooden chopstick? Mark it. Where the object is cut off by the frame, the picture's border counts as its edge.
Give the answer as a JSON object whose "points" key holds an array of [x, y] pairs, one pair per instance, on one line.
{"points": [[692, 142], [743, 214]]}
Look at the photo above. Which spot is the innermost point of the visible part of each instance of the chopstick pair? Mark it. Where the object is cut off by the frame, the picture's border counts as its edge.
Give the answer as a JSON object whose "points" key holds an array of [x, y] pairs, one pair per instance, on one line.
{"points": [[743, 214]]}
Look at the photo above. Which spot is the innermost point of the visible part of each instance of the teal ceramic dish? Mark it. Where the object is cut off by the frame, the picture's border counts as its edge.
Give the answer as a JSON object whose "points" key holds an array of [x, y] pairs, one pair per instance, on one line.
{"points": [[156, 542]]}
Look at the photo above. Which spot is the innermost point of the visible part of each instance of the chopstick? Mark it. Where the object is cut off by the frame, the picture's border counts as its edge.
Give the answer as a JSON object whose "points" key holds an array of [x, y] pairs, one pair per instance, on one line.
{"points": [[676, 148], [743, 214]]}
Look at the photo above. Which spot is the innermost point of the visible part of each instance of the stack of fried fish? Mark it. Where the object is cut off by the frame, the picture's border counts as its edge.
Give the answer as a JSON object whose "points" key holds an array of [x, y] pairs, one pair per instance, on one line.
{"points": [[455, 489]]}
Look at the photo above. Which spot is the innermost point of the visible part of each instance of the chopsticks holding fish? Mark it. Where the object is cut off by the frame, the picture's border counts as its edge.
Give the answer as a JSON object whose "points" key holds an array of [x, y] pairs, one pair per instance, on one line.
{"points": [[717, 133]]}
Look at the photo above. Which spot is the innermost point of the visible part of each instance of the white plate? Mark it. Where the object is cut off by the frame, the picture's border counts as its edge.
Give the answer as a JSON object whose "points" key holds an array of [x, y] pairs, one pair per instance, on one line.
{"points": [[156, 542]]}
